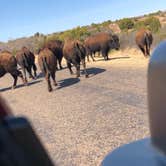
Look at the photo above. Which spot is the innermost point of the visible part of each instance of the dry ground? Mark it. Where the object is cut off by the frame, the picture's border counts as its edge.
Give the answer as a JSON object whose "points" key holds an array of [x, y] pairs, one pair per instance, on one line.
{"points": [[84, 119]]}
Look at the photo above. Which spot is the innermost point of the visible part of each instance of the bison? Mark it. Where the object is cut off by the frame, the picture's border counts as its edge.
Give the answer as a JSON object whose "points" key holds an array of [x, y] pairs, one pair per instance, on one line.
{"points": [[74, 52], [26, 59], [56, 46], [48, 63], [101, 42], [144, 41], [8, 64]]}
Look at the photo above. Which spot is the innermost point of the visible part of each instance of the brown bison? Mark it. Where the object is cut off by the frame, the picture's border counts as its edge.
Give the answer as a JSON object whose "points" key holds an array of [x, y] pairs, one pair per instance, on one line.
{"points": [[8, 64], [101, 42], [144, 41], [48, 63], [74, 53], [26, 59], [56, 46]]}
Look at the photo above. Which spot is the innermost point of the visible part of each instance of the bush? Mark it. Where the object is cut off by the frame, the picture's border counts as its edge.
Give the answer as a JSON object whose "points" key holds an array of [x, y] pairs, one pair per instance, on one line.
{"points": [[151, 23], [79, 33], [139, 25], [106, 23], [126, 24]]}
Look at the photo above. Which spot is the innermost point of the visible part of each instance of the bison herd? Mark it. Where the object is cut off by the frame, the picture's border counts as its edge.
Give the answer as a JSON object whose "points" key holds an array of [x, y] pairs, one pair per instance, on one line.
{"points": [[74, 51]]}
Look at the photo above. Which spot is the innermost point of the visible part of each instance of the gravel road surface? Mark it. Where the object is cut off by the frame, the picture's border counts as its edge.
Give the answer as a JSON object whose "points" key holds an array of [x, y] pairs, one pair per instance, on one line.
{"points": [[84, 119]]}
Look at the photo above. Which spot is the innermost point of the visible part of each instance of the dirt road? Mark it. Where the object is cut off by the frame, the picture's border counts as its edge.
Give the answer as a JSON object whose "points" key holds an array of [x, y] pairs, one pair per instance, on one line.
{"points": [[83, 119]]}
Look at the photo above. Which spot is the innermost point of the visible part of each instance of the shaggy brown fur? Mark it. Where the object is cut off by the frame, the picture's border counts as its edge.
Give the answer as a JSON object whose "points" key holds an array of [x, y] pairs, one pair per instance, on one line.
{"points": [[56, 46], [48, 63], [8, 64], [101, 42], [144, 41], [74, 53], [26, 59]]}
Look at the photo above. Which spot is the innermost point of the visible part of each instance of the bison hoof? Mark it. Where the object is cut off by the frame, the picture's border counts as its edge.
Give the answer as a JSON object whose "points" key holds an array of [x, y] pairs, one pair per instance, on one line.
{"points": [[50, 89], [32, 77], [13, 87], [86, 76]]}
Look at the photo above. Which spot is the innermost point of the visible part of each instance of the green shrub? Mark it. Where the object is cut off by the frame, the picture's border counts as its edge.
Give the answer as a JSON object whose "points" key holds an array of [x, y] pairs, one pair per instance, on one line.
{"points": [[151, 23], [106, 23], [139, 25], [79, 33], [126, 24]]}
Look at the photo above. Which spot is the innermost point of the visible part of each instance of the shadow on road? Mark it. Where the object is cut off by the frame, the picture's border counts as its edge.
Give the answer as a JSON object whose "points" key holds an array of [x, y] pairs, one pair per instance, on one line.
{"points": [[122, 57], [114, 58], [40, 75], [94, 71], [19, 86], [68, 82]]}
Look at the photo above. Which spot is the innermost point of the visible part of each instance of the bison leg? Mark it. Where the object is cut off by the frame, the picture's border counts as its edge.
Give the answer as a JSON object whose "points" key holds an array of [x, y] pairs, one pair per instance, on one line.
{"points": [[48, 82], [15, 81], [69, 67], [53, 78], [15, 75], [84, 66], [60, 65], [143, 50], [88, 57], [30, 72], [24, 73], [105, 55], [147, 50], [34, 69], [21, 76], [92, 57], [77, 66]]}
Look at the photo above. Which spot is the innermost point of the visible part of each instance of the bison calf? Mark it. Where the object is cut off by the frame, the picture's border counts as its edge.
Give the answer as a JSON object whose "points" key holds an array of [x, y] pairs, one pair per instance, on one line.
{"points": [[8, 64], [48, 63]]}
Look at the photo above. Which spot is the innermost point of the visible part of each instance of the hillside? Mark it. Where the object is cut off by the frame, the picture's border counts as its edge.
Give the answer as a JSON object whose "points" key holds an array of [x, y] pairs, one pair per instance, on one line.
{"points": [[125, 28]]}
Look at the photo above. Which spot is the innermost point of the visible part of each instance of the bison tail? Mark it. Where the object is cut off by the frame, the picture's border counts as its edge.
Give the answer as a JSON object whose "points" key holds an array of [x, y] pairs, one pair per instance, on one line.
{"points": [[80, 50], [147, 42], [45, 65], [25, 60]]}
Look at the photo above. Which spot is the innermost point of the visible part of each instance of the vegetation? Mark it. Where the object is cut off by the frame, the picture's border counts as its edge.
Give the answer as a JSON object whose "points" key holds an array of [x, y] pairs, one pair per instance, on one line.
{"points": [[79, 33], [126, 24], [128, 27], [151, 23]]}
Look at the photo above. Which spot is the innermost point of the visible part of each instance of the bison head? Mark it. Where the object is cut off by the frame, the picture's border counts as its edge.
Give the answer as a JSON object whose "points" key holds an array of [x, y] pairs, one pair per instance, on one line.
{"points": [[115, 44]]}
